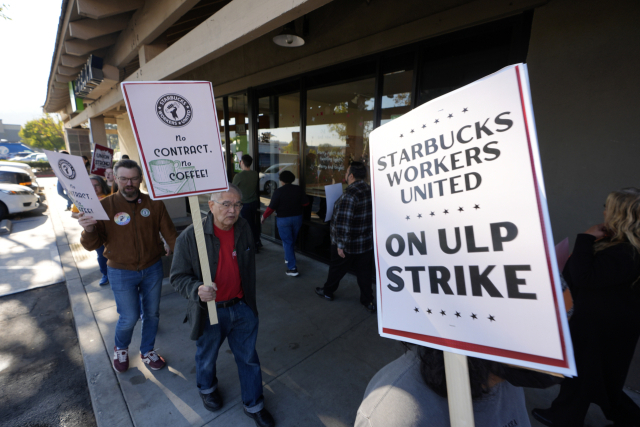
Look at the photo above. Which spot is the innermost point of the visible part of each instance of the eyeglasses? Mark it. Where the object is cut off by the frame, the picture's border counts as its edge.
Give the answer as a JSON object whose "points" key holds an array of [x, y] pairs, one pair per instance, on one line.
{"points": [[229, 205], [133, 180]]}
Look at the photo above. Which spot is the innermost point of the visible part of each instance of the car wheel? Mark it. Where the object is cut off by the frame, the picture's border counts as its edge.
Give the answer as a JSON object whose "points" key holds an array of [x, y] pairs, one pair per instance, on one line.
{"points": [[3, 211], [270, 187]]}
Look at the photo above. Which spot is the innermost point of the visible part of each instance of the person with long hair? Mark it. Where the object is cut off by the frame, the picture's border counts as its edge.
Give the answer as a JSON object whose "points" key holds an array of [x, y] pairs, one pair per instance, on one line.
{"points": [[411, 391], [603, 274], [102, 190]]}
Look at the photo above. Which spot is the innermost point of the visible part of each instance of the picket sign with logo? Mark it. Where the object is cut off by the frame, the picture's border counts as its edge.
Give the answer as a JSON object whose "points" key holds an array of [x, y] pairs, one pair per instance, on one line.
{"points": [[73, 176], [464, 252], [101, 160], [176, 128]]}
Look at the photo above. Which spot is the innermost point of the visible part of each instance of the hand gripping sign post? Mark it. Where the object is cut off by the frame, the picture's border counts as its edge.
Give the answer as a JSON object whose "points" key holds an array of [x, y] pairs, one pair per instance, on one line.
{"points": [[176, 129], [72, 173], [464, 251]]}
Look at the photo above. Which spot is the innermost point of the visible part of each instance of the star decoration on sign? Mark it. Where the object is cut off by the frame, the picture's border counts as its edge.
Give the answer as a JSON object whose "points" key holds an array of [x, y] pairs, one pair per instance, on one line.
{"points": [[446, 211], [424, 126], [460, 209], [416, 310], [428, 311], [476, 207], [407, 217], [491, 318], [465, 110], [419, 215], [450, 116], [444, 313], [432, 214], [401, 135], [411, 130], [437, 121], [473, 316], [458, 314]]}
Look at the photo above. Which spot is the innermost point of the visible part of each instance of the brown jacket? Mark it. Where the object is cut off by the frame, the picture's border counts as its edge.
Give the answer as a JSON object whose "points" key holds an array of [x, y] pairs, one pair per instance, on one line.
{"points": [[131, 240]]}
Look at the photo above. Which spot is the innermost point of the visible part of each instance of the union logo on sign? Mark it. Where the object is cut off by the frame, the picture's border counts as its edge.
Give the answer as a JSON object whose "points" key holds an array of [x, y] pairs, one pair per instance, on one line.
{"points": [[67, 169], [174, 110]]}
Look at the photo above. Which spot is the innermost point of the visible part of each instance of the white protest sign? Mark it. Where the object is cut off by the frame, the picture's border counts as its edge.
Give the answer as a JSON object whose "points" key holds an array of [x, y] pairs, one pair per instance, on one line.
{"points": [[333, 193], [73, 175], [176, 129], [464, 251]]}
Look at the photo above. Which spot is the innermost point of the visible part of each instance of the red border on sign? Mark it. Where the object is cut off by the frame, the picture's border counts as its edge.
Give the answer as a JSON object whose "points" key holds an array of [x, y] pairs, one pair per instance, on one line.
{"points": [[477, 348], [135, 129]]}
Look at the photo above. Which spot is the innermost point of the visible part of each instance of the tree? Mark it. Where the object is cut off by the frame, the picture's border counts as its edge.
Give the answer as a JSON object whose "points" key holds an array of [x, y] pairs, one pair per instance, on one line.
{"points": [[44, 132]]}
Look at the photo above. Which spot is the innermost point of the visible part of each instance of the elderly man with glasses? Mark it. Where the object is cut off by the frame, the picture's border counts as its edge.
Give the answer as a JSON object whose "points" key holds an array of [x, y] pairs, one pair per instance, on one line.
{"points": [[231, 252], [133, 248]]}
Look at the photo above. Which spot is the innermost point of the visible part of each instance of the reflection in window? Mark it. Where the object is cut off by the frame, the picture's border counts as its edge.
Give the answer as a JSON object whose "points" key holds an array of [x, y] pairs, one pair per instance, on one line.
{"points": [[396, 95], [238, 129], [278, 146], [203, 199], [339, 121]]}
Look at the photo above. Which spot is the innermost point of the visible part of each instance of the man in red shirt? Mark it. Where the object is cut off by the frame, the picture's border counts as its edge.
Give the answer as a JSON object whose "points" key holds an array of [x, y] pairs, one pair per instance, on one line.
{"points": [[231, 252]]}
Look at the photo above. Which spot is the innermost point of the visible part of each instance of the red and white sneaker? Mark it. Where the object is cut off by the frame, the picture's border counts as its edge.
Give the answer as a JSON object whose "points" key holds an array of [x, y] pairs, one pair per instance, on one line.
{"points": [[153, 360], [120, 359]]}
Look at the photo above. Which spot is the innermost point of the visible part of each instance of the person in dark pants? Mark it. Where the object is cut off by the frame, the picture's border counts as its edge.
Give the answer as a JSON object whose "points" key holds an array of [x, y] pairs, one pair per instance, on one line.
{"points": [[603, 274], [287, 202], [231, 254], [352, 237], [247, 181]]}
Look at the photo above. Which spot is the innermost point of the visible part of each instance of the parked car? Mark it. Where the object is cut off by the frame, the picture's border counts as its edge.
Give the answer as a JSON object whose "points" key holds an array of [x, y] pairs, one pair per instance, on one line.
{"points": [[269, 179], [20, 156], [10, 149], [16, 173], [34, 157], [16, 198]]}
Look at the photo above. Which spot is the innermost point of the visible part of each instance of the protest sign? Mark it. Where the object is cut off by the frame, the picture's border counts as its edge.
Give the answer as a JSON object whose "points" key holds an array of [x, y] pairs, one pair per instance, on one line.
{"points": [[464, 254], [101, 160], [73, 175], [176, 129], [333, 193]]}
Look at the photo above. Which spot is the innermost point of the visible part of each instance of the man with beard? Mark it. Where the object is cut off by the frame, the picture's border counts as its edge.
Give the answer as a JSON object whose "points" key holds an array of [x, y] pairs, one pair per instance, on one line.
{"points": [[133, 248]]}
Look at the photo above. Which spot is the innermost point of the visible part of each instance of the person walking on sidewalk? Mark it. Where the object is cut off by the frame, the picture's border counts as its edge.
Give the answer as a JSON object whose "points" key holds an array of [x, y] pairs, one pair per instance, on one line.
{"points": [[247, 182], [231, 252], [287, 202], [133, 249], [352, 237]]}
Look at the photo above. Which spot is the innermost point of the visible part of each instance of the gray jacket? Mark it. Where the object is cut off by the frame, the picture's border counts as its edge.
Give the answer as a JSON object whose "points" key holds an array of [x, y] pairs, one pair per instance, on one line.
{"points": [[186, 274]]}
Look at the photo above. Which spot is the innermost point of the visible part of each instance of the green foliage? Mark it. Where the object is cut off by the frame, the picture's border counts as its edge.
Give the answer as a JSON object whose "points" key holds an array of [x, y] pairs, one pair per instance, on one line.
{"points": [[44, 132], [4, 7]]}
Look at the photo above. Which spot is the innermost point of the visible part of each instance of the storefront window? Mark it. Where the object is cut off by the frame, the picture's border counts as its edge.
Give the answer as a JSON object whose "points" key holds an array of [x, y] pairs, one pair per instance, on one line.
{"points": [[339, 121], [278, 146], [203, 199], [396, 95], [239, 129]]}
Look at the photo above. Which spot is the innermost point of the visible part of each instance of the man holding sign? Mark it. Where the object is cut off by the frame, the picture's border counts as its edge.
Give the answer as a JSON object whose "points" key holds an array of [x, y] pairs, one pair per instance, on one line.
{"points": [[133, 248], [231, 252]]}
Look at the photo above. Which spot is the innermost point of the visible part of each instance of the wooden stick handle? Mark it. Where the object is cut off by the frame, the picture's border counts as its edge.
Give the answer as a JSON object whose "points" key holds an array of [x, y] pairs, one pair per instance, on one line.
{"points": [[458, 390], [202, 253]]}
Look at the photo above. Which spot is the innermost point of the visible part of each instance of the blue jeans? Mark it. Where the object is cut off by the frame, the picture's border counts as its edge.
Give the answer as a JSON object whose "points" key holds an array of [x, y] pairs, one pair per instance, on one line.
{"points": [[64, 195], [288, 228], [249, 212], [132, 290], [239, 325], [102, 260]]}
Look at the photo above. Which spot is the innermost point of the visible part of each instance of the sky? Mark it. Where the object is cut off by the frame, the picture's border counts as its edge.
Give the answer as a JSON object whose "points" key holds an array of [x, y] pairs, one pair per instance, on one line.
{"points": [[28, 42]]}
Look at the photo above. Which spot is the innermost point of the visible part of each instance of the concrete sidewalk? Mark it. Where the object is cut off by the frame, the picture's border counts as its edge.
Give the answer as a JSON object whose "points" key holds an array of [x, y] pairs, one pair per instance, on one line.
{"points": [[317, 357]]}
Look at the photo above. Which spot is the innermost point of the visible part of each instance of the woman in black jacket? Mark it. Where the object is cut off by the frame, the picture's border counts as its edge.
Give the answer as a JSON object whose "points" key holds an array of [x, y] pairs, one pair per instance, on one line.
{"points": [[603, 274]]}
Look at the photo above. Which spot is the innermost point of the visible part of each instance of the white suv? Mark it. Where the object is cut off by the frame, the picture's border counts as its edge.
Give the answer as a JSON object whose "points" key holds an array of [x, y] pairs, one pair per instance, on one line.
{"points": [[16, 198]]}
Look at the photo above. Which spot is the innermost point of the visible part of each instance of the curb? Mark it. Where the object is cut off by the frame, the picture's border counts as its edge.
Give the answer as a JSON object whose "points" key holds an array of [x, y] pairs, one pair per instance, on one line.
{"points": [[5, 227], [107, 399]]}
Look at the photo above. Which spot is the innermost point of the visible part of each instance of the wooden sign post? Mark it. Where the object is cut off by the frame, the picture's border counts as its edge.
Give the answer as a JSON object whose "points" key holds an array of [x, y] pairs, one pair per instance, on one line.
{"points": [[458, 390], [202, 253]]}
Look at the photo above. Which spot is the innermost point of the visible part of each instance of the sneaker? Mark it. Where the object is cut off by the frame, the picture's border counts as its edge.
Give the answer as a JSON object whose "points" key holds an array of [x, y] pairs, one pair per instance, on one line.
{"points": [[371, 307], [104, 280], [293, 272], [262, 418], [321, 294], [120, 359], [153, 360]]}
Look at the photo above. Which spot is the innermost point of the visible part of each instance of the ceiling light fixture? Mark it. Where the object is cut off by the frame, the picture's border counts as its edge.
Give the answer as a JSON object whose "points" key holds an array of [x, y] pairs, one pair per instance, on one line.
{"points": [[288, 37]]}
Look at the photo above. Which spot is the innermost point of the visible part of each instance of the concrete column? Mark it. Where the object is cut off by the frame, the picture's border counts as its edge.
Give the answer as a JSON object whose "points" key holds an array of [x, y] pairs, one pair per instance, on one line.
{"points": [[97, 132]]}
